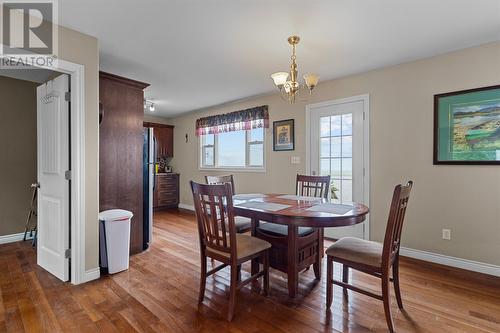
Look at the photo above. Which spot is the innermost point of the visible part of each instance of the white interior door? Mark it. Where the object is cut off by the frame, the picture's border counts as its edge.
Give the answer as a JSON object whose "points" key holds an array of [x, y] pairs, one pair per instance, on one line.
{"points": [[53, 162], [337, 148]]}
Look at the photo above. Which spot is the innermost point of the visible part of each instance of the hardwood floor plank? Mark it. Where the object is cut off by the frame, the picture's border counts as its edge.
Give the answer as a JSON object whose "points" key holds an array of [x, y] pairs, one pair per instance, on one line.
{"points": [[160, 290]]}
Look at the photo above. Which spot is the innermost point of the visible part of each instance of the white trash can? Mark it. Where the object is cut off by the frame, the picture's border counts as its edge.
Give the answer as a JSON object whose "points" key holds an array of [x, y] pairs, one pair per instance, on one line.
{"points": [[114, 239]]}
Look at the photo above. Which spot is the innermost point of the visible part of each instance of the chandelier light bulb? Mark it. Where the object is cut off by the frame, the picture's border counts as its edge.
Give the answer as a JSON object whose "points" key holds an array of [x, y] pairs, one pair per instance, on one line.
{"points": [[311, 80], [279, 79]]}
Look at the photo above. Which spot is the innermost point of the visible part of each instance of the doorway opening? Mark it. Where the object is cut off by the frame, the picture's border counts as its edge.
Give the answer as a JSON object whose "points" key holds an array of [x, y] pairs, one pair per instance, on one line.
{"points": [[337, 144], [75, 219], [36, 126]]}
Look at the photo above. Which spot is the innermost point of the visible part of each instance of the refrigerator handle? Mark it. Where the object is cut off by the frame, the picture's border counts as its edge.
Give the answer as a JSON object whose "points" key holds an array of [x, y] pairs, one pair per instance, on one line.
{"points": [[154, 163]]}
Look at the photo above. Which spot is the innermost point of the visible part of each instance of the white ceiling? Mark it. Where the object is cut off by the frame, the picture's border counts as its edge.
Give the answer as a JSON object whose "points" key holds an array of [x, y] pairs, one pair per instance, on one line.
{"points": [[34, 74], [199, 53]]}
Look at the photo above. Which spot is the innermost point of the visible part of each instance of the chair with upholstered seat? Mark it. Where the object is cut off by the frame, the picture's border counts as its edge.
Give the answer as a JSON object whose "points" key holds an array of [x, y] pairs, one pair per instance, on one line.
{"points": [[219, 241], [371, 257], [308, 242], [242, 224]]}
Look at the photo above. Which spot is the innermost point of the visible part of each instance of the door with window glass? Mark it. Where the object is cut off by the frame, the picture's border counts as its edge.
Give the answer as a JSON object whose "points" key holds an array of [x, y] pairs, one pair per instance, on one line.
{"points": [[337, 139]]}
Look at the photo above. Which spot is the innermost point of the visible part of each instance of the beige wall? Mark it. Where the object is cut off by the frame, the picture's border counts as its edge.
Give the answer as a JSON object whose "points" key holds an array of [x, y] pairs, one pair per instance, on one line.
{"points": [[83, 49], [18, 147], [465, 199]]}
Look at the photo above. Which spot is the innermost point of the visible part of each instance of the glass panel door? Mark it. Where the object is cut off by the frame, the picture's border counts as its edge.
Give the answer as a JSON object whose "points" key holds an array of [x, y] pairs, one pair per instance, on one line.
{"points": [[337, 149]]}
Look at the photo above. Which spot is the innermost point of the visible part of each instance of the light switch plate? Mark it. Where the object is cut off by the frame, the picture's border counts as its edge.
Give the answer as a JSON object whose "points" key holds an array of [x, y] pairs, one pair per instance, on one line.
{"points": [[295, 160]]}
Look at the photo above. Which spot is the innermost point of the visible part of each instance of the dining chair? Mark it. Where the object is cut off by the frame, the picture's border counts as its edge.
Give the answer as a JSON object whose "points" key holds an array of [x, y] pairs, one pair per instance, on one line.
{"points": [[307, 246], [219, 240], [242, 224], [371, 257]]}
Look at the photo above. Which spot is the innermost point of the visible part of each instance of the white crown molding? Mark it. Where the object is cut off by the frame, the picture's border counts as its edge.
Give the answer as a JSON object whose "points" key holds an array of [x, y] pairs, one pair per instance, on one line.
{"points": [[470, 265]]}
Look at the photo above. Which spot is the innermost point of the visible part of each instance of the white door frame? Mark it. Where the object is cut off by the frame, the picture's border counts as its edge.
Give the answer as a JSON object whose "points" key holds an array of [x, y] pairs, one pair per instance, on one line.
{"points": [[77, 216], [366, 144]]}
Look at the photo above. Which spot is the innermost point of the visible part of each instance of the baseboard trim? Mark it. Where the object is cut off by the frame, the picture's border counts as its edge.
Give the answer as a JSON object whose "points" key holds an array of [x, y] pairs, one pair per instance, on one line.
{"points": [[470, 265], [12, 238], [187, 207], [92, 274]]}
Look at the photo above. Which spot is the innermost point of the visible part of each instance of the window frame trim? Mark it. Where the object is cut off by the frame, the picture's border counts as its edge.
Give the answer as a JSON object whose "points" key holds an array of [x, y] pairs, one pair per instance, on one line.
{"points": [[246, 168]]}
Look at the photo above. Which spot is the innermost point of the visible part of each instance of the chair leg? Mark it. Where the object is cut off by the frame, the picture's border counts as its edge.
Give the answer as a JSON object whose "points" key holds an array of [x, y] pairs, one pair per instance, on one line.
{"points": [[345, 276], [239, 272], [322, 242], [319, 256], [387, 302], [329, 284], [203, 278], [395, 277], [232, 292], [293, 249], [265, 262], [317, 268]]}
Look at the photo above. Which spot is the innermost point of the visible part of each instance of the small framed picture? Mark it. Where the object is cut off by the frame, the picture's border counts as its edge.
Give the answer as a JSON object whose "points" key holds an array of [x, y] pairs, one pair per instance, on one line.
{"points": [[467, 126], [283, 135]]}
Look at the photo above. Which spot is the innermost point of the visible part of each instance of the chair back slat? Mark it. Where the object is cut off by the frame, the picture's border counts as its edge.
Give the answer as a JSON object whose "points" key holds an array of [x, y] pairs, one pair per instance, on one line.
{"points": [[392, 240], [313, 186], [217, 180], [214, 213]]}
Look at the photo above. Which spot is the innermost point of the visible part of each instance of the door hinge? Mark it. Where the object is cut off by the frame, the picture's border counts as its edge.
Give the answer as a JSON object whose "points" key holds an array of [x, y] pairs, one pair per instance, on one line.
{"points": [[364, 173], [363, 115], [67, 175], [67, 254], [67, 96]]}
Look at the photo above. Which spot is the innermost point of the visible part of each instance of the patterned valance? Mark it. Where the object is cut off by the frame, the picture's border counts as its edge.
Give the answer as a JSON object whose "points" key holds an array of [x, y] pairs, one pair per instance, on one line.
{"points": [[257, 117]]}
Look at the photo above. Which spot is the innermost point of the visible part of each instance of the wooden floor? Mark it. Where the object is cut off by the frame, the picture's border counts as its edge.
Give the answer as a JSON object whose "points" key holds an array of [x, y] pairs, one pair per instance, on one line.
{"points": [[159, 294]]}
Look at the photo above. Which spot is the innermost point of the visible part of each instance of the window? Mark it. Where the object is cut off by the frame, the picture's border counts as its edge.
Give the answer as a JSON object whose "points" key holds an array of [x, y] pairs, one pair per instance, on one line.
{"points": [[336, 153], [233, 150]]}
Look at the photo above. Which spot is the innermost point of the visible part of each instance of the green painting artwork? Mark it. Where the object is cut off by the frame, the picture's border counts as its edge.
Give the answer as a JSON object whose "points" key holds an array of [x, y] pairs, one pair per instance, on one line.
{"points": [[467, 127]]}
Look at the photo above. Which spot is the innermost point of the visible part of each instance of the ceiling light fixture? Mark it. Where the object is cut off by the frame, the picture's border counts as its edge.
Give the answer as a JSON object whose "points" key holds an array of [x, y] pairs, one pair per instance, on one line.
{"points": [[150, 105], [290, 88]]}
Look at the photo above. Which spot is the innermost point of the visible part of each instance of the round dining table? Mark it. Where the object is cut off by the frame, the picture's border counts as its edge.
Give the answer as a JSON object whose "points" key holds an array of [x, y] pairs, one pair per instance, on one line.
{"points": [[294, 212]]}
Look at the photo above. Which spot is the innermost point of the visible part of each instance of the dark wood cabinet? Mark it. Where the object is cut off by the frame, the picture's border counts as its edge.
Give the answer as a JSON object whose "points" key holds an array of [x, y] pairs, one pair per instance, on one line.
{"points": [[166, 194], [120, 150], [164, 136]]}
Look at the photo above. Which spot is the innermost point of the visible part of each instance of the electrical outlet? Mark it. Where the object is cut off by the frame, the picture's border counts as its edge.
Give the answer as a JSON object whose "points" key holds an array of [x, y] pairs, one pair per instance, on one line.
{"points": [[447, 234], [295, 160]]}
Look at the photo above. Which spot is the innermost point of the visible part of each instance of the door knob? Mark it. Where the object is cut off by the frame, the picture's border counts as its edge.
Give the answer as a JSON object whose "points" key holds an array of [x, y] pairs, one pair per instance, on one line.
{"points": [[35, 185]]}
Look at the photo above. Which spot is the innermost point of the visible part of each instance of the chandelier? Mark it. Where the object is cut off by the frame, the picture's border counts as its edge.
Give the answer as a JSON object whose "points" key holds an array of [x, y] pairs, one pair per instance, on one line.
{"points": [[290, 88]]}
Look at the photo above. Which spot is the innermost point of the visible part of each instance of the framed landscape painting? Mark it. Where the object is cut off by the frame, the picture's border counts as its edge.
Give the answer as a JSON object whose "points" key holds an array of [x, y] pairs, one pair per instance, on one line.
{"points": [[283, 135], [467, 126]]}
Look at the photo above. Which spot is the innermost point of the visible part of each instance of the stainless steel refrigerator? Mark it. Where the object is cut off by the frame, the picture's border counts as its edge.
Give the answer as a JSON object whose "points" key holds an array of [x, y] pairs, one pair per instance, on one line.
{"points": [[149, 183]]}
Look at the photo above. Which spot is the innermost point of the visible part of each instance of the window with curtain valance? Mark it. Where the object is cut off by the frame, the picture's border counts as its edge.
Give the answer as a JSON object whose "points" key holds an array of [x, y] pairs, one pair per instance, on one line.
{"points": [[257, 117], [233, 140]]}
